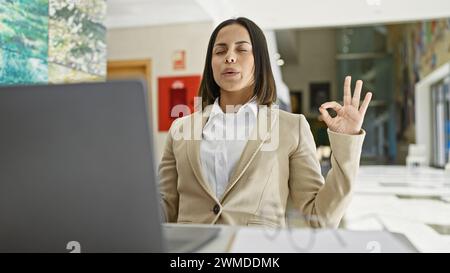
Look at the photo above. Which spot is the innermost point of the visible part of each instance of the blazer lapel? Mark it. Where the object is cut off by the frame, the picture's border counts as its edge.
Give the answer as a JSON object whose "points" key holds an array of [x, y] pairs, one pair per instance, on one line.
{"points": [[254, 144], [193, 150]]}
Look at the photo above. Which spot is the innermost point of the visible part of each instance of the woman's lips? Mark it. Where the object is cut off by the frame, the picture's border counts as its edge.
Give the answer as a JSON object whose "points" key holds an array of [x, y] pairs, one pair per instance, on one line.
{"points": [[230, 74]]}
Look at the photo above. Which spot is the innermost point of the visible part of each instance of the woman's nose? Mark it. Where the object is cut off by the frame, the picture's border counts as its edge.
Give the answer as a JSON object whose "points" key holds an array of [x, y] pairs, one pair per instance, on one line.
{"points": [[230, 59]]}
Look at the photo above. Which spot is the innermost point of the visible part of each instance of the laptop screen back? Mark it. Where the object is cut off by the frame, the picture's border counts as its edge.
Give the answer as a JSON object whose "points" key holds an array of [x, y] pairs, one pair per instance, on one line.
{"points": [[77, 169]]}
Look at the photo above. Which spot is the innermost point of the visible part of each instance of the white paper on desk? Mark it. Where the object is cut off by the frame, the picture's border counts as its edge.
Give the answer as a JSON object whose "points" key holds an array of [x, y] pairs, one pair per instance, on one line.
{"points": [[299, 240]]}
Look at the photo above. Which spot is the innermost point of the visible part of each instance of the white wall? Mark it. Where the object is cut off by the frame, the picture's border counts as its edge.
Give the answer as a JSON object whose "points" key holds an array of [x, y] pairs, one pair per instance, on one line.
{"points": [[159, 43], [317, 63]]}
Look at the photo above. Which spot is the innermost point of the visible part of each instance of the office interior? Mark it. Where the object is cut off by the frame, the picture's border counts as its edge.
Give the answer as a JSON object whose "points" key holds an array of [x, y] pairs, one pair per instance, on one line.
{"points": [[400, 49]]}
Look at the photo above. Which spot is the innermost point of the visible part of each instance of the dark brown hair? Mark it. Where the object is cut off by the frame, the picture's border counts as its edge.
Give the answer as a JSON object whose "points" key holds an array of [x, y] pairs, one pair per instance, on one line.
{"points": [[264, 88]]}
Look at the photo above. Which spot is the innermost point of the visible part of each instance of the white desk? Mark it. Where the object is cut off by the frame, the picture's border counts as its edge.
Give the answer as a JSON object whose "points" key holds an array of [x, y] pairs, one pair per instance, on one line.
{"points": [[222, 243], [242, 239]]}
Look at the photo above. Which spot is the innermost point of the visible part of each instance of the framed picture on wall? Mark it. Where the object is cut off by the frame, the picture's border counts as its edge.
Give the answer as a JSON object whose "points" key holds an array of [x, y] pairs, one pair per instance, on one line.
{"points": [[297, 102], [318, 94]]}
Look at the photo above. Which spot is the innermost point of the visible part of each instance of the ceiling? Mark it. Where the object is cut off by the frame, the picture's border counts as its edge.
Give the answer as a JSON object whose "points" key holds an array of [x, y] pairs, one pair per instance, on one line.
{"points": [[273, 14]]}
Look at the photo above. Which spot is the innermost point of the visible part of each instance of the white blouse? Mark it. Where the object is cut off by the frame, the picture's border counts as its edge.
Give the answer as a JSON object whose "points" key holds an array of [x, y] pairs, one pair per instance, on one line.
{"points": [[224, 138]]}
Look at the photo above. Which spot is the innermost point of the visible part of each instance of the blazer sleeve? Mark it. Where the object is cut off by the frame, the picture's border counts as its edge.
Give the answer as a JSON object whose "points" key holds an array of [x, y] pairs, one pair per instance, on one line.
{"points": [[323, 201], [168, 178]]}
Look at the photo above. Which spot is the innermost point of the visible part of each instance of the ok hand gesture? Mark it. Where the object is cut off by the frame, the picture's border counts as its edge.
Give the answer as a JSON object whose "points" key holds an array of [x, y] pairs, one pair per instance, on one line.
{"points": [[350, 117]]}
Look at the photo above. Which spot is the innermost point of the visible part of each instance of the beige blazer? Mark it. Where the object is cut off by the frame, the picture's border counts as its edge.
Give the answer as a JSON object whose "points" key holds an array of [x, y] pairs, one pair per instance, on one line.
{"points": [[278, 166]]}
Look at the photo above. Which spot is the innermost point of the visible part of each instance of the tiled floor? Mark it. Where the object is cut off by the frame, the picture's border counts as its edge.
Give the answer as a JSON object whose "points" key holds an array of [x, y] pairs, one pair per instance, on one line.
{"points": [[414, 202]]}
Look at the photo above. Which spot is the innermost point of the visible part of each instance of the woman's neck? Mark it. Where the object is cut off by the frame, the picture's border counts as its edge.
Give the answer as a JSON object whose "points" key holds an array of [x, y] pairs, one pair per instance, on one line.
{"points": [[234, 98]]}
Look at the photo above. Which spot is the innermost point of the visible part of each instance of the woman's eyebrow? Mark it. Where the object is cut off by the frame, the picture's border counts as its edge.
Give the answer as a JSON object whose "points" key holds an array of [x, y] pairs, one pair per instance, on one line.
{"points": [[238, 43], [243, 42], [220, 44]]}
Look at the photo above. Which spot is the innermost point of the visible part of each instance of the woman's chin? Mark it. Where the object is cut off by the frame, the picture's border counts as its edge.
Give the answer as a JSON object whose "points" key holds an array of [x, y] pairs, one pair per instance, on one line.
{"points": [[234, 87], [231, 89]]}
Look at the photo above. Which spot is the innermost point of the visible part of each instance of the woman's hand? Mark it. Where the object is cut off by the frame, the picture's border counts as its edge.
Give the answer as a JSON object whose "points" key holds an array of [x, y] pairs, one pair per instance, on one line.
{"points": [[349, 118]]}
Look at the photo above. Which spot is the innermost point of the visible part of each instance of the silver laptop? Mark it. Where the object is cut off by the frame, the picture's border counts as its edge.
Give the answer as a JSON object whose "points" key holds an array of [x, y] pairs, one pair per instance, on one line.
{"points": [[77, 171]]}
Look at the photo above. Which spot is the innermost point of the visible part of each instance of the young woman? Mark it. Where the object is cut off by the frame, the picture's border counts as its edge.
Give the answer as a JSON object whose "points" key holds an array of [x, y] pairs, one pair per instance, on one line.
{"points": [[252, 159]]}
